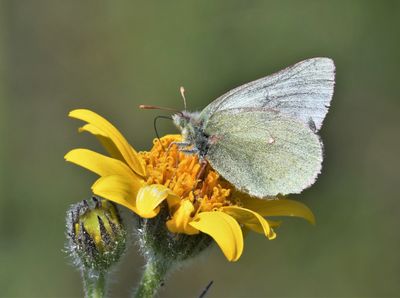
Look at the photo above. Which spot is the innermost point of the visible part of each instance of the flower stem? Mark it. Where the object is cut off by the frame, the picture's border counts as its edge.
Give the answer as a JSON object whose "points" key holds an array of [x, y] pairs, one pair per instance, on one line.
{"points": [[94, 284], [152, 279]]}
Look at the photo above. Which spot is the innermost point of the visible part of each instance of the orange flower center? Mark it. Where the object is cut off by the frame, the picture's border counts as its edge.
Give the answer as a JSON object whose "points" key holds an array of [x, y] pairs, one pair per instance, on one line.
{"points": [[180, 172]]}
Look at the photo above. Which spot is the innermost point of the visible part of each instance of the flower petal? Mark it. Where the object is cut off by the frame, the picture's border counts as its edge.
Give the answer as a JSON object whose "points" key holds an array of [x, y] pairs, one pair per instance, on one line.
{"points": [[174, 202], [100, 164], [149, 198], [250, 220], [179, 223], [274, 223], [280, 207], [119, 189], [224, 229], [130, 155], [107, 143]]}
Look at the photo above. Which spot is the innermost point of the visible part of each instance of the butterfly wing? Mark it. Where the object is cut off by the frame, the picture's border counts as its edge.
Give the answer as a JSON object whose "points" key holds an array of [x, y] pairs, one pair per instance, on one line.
{"points": [[267, 154], [302, 91]]}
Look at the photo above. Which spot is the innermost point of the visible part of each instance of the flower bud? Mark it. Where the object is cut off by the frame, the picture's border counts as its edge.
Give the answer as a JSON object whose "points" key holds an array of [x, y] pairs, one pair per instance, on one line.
{"points": [[96, 235]]}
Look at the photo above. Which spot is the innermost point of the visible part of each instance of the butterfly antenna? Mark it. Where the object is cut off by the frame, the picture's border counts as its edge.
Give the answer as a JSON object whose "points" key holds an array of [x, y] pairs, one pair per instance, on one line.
{"points": [[155, 128], [151, 107], [182, 90]]}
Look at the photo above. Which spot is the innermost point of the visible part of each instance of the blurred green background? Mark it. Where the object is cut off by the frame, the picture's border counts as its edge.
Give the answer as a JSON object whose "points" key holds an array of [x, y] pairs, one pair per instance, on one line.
{"points": [[110, 56]]}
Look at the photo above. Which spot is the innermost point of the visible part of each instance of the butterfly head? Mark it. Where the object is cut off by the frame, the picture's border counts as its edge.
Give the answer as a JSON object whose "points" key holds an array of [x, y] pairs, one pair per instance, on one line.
{"points": [[181, 119]]}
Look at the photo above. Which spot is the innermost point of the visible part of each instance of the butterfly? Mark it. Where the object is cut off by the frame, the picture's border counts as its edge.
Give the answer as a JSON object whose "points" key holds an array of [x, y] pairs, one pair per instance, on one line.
{"points": [[262, 136]]}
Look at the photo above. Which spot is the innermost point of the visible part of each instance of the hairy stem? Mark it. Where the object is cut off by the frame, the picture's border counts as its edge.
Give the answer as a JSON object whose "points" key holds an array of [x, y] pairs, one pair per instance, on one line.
{"points": [[152, 279], [94, 284]]}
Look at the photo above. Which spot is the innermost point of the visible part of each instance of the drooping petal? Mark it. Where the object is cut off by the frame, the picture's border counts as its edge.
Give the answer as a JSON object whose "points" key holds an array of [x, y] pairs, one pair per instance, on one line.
{"points": [[280, 207], [100, 164], [149, 198], [129, 154], [224, 229], [119, 189], [173, 202], [179, 223], [274, 223], [107, 143], [251, 220]]}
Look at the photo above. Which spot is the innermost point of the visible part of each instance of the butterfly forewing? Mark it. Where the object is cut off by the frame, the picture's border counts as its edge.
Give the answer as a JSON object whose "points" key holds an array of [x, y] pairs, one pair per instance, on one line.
{"points": [[267, 154], [302, 91]]}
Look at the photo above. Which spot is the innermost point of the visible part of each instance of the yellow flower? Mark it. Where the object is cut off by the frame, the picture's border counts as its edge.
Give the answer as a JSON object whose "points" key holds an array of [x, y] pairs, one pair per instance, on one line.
{"points": [[165, 177]]}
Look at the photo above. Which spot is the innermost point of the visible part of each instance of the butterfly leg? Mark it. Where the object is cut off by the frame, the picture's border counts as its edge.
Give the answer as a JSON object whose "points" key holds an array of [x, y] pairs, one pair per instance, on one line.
{"points": [[190, 151], [180, 145], [200, 174]]}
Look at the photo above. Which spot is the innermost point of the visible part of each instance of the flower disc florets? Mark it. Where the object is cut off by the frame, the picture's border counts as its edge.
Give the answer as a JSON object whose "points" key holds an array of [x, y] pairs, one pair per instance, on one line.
{"points": [[181, 173]]}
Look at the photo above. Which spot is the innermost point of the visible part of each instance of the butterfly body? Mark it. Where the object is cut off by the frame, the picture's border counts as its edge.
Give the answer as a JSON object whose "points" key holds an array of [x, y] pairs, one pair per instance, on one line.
{"points": [[261, 136], [194, 139]]}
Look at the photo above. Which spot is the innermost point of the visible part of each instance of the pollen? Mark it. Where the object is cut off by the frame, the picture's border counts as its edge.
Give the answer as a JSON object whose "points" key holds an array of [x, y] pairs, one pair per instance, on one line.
{"points": [[183, 174]]}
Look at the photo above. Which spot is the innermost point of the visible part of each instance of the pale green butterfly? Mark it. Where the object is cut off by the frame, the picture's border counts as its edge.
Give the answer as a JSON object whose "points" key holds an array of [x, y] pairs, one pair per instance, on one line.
{"points": [[261, 136]]}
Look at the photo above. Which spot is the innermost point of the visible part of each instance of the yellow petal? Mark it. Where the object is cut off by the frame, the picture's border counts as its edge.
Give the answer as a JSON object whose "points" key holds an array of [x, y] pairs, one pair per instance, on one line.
{"points": [[173, 202], [281, 207], [107, 143], [179, 223], [100, 164], [149, 198], [250, 220], [224, 229], [119, 189], [274, 223], [129, 154]]}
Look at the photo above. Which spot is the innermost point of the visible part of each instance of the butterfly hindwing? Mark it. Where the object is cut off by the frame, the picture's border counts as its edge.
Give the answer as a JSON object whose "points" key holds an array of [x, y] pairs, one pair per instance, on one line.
{"points": [[267, 154]]}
